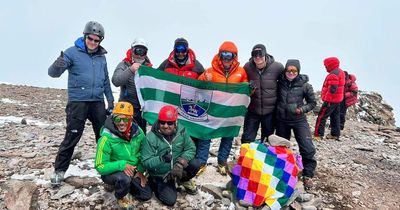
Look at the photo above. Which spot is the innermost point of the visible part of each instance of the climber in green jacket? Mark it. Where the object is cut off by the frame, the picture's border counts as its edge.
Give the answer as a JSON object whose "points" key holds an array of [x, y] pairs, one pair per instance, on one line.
{"points": [[168, 155], [118, 156]]}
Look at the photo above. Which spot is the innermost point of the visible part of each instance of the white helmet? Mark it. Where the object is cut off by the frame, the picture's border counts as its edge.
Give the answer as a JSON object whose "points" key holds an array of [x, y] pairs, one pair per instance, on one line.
{"points": [[139, 42]]}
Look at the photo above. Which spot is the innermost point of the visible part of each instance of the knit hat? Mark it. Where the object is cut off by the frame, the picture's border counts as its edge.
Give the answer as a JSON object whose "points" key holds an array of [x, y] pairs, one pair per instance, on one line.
{"points": [[181, 41], [331, 63], [293, 62], [260, 46]]}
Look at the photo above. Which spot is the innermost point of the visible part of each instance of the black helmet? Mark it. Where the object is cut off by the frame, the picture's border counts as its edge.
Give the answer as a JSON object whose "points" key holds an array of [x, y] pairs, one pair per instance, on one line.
{"points": [[93, 27]]}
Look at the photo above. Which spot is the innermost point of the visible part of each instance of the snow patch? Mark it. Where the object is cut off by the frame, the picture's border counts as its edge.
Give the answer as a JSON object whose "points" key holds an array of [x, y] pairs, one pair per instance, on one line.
{"points": [[33, 122], [10, 101]]}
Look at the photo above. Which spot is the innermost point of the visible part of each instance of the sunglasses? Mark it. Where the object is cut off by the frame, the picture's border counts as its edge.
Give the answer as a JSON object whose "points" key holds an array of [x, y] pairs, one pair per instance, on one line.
{"points": [[180, 49], [92, 40], [139, 51], [119, 119], [257, 53], [168, 122], [292, 71], [227, 55]]}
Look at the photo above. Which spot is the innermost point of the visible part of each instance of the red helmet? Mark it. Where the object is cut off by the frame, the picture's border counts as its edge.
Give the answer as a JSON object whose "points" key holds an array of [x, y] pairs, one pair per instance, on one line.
{"points": [[168, 113]]}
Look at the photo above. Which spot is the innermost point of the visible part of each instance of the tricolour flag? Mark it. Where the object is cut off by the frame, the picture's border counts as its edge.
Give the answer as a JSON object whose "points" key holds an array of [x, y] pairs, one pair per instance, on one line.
{"points": [[207, 110]]}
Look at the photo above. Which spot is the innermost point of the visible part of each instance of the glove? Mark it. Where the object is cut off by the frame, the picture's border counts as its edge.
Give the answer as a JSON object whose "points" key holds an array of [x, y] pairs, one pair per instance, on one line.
{"points": [[177, 170], [252, 85], [60, 62], [110, 107], [167, 157]]}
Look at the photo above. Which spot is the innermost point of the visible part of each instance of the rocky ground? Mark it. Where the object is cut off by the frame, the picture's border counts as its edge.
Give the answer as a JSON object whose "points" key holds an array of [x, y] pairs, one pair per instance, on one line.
{"points": [[361, 171]]}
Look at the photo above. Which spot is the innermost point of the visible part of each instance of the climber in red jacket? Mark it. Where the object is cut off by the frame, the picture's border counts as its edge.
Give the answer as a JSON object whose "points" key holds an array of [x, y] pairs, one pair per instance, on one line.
{"points": [[332, 95]]}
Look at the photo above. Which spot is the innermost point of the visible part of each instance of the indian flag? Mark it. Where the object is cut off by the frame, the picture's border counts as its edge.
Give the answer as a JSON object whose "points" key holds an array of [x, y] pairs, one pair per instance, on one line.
{"points": [[207, 110]]}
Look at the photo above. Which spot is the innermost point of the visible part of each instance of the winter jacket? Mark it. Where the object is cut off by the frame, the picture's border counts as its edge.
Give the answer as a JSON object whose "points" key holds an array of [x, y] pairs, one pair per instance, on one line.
{"points": [[235, 75], [291, 95], [192, 68], [351, 91], [156, 146], [333, 87], [263, 100], [114, 151], [124, 78], [87, 73]]}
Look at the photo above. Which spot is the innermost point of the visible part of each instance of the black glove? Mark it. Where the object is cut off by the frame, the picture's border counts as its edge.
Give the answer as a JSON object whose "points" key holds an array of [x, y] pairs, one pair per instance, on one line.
{"points": [[252, 85], [177, 170], [60, 62], [167, 157], [110, 107]]}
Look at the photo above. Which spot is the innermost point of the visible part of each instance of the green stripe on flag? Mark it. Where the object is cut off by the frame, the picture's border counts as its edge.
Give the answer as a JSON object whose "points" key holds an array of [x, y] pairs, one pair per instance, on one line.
{"points": [[240, 88], [216, 110]]}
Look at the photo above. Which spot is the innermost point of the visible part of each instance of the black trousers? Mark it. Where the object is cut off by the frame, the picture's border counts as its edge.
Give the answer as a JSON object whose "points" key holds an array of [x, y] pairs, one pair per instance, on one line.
{"points": [[343, 110], [252, 123], [165, 189], [302, 134], [123, 184], [331, 110], [77, 113]]}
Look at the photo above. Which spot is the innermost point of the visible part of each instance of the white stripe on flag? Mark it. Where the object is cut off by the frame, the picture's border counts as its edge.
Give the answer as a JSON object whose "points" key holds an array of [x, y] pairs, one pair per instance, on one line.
{"points": [[214, 122]]}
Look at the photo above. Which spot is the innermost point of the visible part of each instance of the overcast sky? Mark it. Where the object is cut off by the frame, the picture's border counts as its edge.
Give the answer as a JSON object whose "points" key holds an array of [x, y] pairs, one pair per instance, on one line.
{"points": [[363, 34]]}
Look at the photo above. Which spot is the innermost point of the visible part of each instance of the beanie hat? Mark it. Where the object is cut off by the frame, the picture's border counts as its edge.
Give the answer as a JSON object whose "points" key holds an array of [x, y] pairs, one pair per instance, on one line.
{"points": [[260, 46], [293, 62], [331, 63], [182, 42]]}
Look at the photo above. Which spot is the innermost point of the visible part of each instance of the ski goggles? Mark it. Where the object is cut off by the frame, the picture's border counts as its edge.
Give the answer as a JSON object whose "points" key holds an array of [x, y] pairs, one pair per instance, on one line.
{"points": [[139, 51], [292, 71], [166, 122], [118, 119], [257, 53], [227, 55], [181, 49]]}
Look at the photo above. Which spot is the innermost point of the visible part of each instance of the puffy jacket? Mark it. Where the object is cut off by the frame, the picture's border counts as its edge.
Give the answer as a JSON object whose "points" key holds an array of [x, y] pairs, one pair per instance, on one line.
{"points": [[263, 100], [124, 78], [333, 87], [192, 68], [114, 151], [351, 91], [87, 73], [156, 146], [235, 75], [291, 95]]}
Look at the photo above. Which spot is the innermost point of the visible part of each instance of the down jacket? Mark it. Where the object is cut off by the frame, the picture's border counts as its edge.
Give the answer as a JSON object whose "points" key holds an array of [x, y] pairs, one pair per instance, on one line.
{"points": [[291, 95]]}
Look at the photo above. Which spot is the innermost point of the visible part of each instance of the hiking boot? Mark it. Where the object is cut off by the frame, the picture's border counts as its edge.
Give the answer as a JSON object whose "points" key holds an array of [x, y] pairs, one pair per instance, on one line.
{"points": [[221, 169], [317, 138], [190, 187], [201, 170], [126, 202], [57, 178], [329, 136], [308, 183]]}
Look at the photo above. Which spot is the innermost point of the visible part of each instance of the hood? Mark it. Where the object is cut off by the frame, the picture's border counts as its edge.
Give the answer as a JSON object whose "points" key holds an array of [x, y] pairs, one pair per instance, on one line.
{"points": [[227, 46], [331, 63], [352, 77], [128, 58], [80, 43]]}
